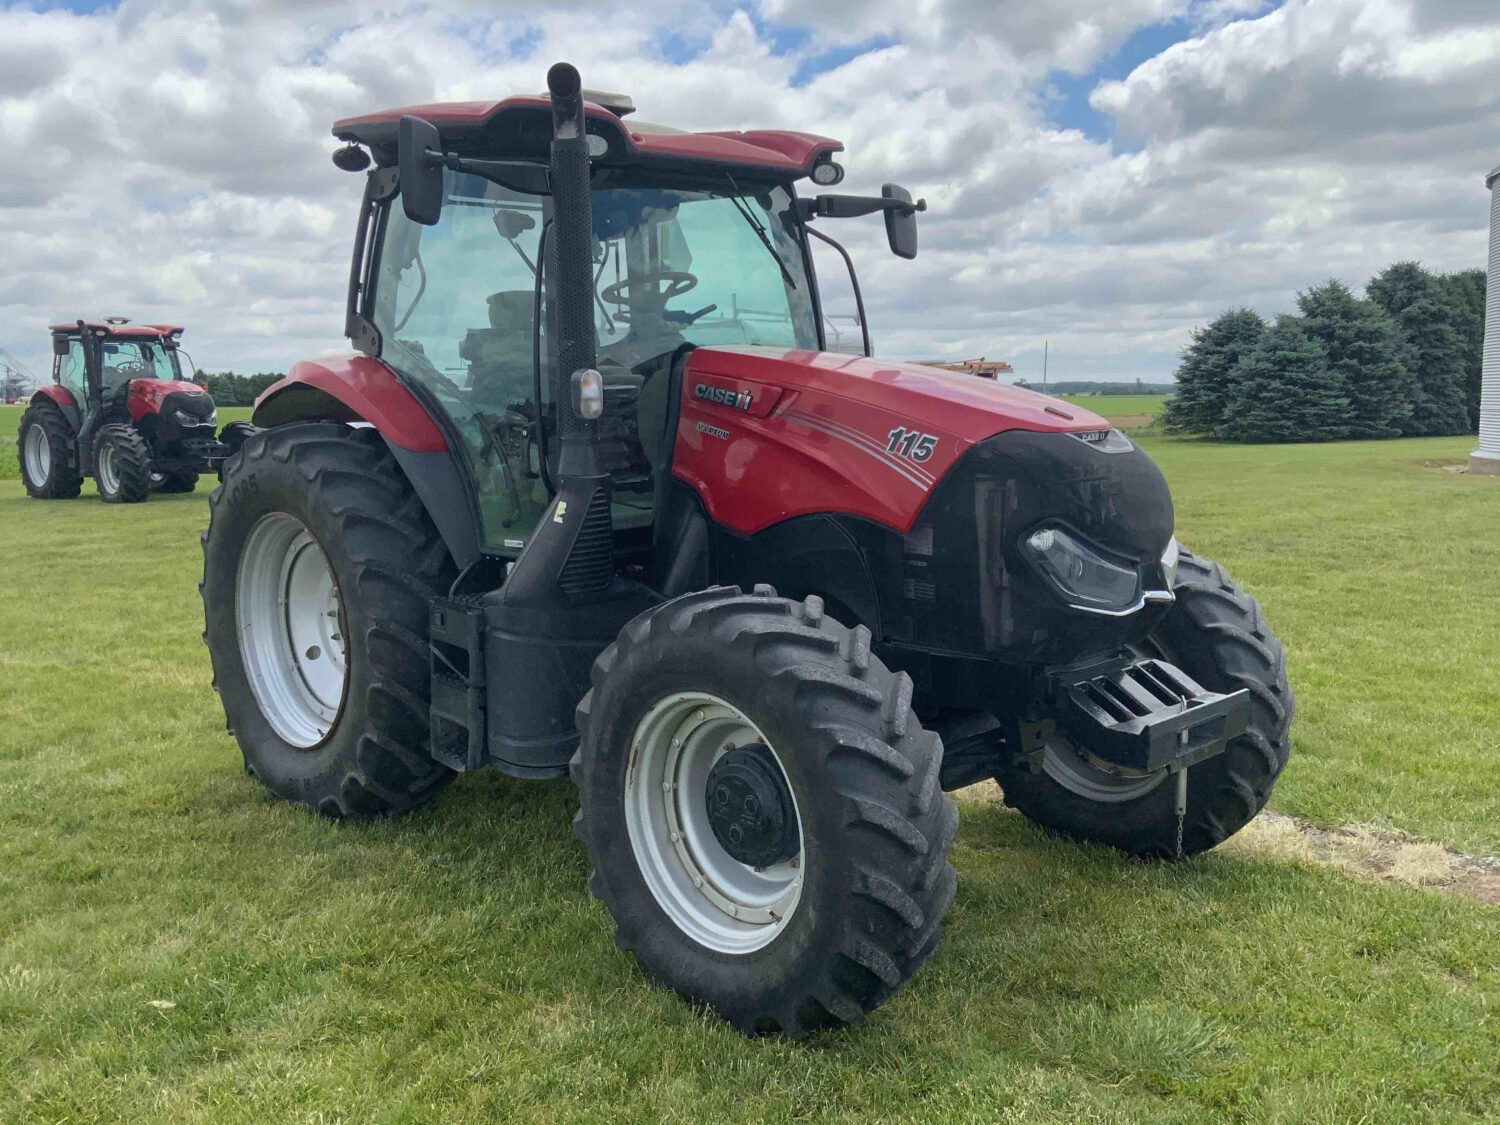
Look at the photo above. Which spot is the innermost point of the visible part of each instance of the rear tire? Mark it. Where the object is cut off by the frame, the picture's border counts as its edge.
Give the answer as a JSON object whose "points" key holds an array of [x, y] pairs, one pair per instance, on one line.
{"points": [[874, 825], [48, 452], [122, 465], [335, 503], [1216, 634]]}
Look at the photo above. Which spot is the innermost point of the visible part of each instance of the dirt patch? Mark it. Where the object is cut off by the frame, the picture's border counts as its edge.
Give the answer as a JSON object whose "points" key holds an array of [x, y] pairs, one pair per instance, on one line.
{"points": [[1360, 850], [1367, 852]]}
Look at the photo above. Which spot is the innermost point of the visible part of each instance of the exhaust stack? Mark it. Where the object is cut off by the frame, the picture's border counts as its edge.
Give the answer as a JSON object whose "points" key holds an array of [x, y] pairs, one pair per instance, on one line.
{"points": [[562, 603], [571, 270]]}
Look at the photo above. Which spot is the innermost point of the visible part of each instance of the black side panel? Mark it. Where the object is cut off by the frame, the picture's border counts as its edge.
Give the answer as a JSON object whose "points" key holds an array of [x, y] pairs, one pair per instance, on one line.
{"points": [[436, 479]]}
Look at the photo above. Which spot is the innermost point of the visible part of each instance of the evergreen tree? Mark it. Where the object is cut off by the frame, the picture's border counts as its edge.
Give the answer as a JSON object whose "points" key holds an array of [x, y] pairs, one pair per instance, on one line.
{"points": [[1433, 350], [1205, 375], [1285, 391], [1465, 291], [1363, 347]]}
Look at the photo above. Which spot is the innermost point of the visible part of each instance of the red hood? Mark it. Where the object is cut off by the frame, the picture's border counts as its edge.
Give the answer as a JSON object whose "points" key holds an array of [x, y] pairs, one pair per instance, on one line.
{"points": [[146, 395], [965, 406]]}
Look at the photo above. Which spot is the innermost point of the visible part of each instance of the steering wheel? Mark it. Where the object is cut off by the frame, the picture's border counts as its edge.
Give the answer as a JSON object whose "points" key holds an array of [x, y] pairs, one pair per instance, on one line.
{"points": [[630, 291]]}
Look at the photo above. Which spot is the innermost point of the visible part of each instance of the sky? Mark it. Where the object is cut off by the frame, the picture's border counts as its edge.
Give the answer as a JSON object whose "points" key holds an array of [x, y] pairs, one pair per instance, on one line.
{"points": [[1101, 177]]}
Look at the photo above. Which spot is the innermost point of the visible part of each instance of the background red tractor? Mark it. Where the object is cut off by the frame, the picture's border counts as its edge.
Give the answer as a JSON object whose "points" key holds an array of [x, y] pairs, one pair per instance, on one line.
{"points": [[592, 497], [119, 410]]}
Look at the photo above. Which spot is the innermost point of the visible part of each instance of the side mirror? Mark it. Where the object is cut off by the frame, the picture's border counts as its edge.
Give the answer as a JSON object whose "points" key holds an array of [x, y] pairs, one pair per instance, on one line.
{"points": [[901, 222], [59, 345], [419, 157]]}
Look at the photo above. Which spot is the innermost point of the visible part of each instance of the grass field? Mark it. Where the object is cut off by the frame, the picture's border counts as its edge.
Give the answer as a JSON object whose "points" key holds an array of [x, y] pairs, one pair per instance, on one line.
{"points": [[175, 946], [1128, 412]]}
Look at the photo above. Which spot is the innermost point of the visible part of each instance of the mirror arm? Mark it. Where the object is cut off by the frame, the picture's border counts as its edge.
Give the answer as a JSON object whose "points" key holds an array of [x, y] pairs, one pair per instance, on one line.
{"points": [[853, 206], [520, 175]]}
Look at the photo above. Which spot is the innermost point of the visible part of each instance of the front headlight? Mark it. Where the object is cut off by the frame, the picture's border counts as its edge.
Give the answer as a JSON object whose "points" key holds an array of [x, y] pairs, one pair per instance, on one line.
{"points": [[1083, 576], [1169, 562], [190, 420]]}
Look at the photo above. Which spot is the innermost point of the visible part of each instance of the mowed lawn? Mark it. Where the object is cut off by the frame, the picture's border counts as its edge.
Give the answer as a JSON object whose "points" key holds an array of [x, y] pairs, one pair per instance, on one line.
{"points": [[176, 946]]}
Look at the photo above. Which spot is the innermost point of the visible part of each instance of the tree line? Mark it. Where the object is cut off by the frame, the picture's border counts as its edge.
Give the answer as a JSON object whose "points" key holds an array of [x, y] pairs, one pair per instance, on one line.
{"points": [[229, 389], [1402, 361]]}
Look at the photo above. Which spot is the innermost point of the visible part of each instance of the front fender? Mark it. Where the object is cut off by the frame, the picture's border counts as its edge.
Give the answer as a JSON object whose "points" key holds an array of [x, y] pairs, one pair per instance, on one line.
{"points": [[351, 388], [360, 389]]}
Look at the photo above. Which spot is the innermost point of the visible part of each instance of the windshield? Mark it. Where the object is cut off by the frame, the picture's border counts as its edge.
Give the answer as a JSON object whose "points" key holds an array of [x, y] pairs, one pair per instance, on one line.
{"points": [[455, 305], [135, 359], [713, 266]]}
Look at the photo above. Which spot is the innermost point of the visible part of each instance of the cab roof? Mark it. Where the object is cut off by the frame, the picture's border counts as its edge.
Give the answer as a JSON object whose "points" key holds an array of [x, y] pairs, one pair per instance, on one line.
{"points": [[521, 128], [123, 331]]}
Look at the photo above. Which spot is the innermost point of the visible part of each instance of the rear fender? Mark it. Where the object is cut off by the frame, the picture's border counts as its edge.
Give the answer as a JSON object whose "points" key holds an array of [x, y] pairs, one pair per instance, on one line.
{"points": [[62, 398], [359, 390]]}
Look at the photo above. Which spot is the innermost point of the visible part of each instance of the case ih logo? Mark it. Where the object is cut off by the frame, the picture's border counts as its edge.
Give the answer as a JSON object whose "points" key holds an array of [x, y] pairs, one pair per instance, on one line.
{"points": [[723, 396]]}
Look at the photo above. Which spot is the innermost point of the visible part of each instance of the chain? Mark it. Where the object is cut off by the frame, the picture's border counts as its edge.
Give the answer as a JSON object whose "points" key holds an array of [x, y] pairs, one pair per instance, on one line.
{"points": [[1180, 806]]}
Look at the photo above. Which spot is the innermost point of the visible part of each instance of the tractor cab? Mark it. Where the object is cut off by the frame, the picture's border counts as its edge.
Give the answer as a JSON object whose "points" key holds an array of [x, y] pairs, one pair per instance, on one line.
{"points": [[696, 240]]}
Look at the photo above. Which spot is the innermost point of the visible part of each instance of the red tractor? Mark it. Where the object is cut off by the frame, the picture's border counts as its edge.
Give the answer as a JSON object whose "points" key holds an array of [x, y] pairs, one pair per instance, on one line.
{"points": [[592, 498], [119, 410]]}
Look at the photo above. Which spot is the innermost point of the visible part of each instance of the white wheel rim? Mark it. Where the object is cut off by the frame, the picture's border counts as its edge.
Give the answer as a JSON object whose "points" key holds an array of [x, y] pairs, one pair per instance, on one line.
{"points": [[711, 897], [1093, 778], [291, 630], [109, 476], [38, 455]]}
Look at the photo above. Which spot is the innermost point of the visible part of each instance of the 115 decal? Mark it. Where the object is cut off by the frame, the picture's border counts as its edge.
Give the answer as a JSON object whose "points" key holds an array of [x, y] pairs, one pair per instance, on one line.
{"points": [[911, 444]]}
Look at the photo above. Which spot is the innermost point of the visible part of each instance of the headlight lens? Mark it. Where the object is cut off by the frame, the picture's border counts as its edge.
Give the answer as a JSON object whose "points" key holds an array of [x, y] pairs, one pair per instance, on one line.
{"points": [[1169, 562], [1083, 576], [186, 419]]}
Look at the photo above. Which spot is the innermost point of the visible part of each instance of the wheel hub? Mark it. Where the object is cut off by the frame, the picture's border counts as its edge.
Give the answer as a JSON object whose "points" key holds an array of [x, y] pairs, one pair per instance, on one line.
{"points": [[750, 807]]}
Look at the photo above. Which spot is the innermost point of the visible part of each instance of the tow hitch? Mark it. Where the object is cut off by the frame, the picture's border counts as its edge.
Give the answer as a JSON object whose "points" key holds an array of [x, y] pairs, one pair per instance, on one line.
{"points": [[1145, 716]]}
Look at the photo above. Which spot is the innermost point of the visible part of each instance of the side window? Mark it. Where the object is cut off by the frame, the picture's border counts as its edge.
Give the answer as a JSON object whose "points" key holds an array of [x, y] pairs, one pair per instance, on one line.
{"points": [[454, 306], [71, 371]]}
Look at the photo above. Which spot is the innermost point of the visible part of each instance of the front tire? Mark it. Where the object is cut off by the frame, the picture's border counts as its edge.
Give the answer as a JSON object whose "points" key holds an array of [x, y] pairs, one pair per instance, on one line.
{"points": [[318, 566], [828, 927], [1216, 634], [185, 480], [122, 465], [48, 453]]}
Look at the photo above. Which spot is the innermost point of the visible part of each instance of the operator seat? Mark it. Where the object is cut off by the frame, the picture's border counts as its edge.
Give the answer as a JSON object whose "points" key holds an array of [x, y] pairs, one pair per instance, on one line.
{"points": [[499, 357]]}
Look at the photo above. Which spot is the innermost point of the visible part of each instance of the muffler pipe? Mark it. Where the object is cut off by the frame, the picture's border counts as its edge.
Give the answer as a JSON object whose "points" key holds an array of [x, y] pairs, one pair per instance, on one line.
{"points": [[571, 268]]}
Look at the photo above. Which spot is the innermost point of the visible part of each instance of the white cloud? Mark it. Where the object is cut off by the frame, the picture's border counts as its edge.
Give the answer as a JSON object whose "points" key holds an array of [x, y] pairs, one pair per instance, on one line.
{"points": [[170, 160]]}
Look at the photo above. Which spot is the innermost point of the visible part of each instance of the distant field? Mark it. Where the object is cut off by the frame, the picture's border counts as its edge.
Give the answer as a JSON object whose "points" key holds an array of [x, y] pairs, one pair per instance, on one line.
{"points": [[1128, 412]]}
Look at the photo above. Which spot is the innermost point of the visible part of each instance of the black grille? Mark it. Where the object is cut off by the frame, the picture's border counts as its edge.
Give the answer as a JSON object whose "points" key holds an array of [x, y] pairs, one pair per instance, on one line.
{"points": [[591, 562]]}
